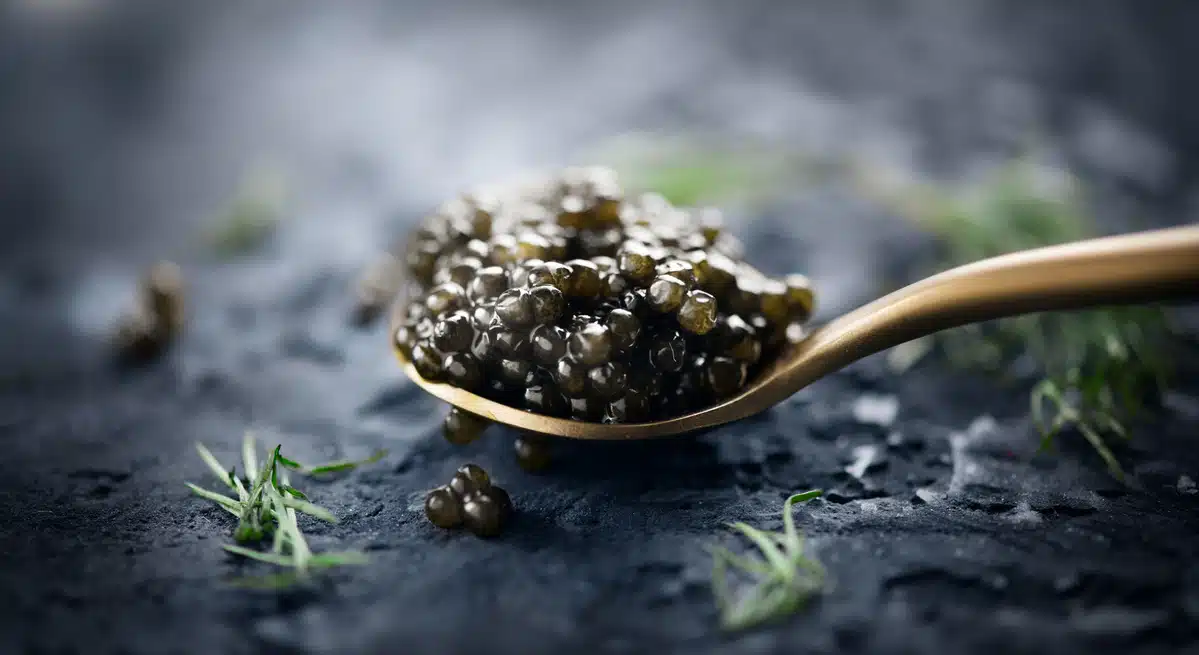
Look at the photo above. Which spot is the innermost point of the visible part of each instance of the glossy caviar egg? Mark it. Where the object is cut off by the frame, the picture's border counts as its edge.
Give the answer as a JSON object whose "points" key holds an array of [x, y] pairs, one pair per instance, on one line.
{"points": [[607, 380], [478, 478], [543, 397], [666, 294], [614, 285], [548, 343], [591, 345], [462, 427], [698, 313], [547, 303], [462, 370], [514, 308], [482, 515], [571, 377], [443, 508], [488, 284], [501, 497], [624, 327], [668, 351], [552, 274], [725, 375], [428, 362], [585, 281], [509, 344], [532, 453], [515, 372], [446, 297], [679, 269], [453, 332], [636, 263], [404, 339]]}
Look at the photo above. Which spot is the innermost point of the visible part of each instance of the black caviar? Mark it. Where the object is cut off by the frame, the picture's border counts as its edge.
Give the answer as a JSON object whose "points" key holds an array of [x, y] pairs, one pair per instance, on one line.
{"points": [[569, 299], [470, 500], [146, 329]]}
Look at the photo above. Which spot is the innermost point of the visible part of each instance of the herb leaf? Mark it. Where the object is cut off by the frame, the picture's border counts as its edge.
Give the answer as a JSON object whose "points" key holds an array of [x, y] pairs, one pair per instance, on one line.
{"points": [[308, 508], [269, 558], [332, 467], [266, 506], [780, 580], [225, 502], [215, 466]]}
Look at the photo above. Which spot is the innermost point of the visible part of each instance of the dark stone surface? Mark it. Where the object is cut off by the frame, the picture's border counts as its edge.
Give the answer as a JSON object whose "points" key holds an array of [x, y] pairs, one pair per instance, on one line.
{"points": [[943, 530]]}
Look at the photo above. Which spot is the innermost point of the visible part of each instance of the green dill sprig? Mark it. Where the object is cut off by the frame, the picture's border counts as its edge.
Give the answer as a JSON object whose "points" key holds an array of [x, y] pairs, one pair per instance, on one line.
{"points": [[266, 507], [782, 576], [1099, 367], [339, 466], [252, 215], [690, 171]]}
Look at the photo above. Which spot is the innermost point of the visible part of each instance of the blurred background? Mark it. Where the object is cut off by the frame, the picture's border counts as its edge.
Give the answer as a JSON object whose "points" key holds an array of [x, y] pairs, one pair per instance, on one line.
{"points": [[128, 129], [275, 148]]}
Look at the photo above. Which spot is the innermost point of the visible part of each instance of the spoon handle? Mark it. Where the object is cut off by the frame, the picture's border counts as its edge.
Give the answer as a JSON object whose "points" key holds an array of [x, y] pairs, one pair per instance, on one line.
{"points": [[1145, 267]]}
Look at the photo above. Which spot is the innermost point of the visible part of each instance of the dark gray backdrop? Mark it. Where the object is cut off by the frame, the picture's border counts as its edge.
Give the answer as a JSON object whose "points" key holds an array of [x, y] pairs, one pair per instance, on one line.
{"points": [[126, 126]]}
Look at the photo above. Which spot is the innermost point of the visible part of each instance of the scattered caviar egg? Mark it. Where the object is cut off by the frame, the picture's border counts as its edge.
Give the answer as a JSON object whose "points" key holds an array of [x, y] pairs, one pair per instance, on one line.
{"points": [[532, 453], [571, 298], [462, 427], [470, 500], [483, 515], [145, 331], [443, 508], [475, 474]]}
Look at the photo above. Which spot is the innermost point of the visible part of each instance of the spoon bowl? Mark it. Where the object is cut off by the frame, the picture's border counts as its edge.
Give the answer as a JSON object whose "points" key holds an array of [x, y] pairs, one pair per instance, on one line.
{"points": [[1156, 266]]}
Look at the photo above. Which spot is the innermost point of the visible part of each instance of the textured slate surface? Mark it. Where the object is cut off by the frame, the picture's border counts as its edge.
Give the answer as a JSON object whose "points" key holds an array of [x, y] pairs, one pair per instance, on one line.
{"points": [[953, 536]]}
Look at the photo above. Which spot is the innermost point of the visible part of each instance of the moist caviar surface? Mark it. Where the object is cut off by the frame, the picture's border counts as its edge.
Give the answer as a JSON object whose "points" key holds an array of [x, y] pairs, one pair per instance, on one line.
{"points": [[567, 298], [472, 501]]}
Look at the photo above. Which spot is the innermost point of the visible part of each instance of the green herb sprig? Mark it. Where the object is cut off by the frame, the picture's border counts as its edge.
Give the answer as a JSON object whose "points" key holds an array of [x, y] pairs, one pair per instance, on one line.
{"points": [[252, 215], [1099, 367], [266, 506], [782, 576]]}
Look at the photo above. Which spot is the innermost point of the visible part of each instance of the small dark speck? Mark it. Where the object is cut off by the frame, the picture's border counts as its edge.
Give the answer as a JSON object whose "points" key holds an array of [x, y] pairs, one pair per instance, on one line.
{"points": [[304, 347], [210, 381], [99, 474], [1065, 584], [36, 282], [851, 637], [66, 599], [101, 491], [838, 497], [313, 293], [1066, 510]]}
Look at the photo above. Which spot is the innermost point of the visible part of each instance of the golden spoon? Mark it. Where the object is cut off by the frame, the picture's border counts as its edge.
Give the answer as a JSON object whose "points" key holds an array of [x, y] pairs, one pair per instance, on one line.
{"points": [[1157, 266]]}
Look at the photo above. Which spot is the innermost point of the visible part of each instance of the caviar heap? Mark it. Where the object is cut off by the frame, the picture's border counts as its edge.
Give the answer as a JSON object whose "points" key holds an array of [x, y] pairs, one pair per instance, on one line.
{"points": [[568, 299], [471, 500]]}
